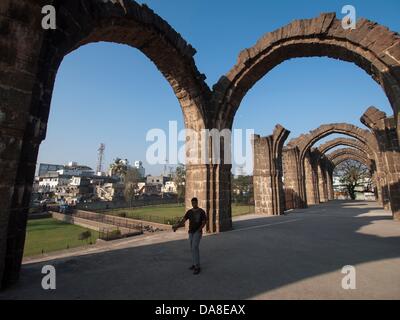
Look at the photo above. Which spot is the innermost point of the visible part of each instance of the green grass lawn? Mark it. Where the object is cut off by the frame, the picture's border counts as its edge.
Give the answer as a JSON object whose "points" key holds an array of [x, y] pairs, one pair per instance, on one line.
{"points": [[168, 212], [52, 235]]}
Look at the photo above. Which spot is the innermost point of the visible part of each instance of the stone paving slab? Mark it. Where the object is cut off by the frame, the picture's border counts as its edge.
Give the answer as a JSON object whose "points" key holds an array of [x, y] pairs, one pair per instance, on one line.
{"points": [[295, 256]]}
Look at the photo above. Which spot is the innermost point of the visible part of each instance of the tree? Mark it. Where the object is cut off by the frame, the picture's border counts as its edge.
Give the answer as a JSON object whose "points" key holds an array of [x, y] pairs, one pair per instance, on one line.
{"points": [[352, 174], [85, 235], [242, 188], [131, 180], [119, 168], [179, 177]]}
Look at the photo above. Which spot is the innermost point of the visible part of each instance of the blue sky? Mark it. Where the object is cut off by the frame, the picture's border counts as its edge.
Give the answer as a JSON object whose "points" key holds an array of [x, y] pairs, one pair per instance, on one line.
{"points": [[111, 93]]}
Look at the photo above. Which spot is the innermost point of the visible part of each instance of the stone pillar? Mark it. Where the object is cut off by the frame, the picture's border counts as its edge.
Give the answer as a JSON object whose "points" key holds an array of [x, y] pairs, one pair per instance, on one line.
{"points": [[328, 170], [211, 185], [311, 180], [322, 186], [384, 129], [329, 181], [384, 190], [377, 191], [293, 173], [267, 173], [19, 127], [19, 209], [382, 195], [11, 140], [208, 176]]}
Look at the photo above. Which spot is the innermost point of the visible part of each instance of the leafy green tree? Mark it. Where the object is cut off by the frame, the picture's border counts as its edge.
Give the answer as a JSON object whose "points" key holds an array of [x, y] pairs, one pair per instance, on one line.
{"points": [[179, 177], [119, 168], [85, 235], [352, 174], [242, 188]]}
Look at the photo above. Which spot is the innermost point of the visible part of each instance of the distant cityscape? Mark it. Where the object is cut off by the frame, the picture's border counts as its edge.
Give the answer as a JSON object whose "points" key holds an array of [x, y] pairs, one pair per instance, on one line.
{"points": [[75, 183]]}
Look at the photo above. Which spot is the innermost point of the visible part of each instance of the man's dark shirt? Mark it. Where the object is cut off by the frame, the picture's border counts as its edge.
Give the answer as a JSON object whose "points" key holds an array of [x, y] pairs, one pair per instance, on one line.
{"points": [[196, 218]]}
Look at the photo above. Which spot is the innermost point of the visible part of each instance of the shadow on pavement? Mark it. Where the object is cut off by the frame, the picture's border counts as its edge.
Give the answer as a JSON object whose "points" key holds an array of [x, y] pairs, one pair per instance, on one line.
{"points": [[258, 256]]}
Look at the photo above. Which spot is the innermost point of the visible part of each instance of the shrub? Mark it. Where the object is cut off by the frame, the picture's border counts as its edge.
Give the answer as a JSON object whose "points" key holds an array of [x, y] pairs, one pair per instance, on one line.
{"points": [[116, 232], [112, 235], [85, 235]]}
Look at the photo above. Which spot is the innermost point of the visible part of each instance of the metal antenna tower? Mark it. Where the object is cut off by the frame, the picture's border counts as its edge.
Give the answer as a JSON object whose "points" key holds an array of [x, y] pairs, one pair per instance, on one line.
{"points": [[100, 157], [165, 167]]}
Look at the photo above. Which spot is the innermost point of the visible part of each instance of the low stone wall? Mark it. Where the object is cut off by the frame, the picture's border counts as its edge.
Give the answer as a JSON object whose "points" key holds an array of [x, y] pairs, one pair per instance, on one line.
{"points": [[42, 215], [105, 205], [121, 221], [89, 224]]}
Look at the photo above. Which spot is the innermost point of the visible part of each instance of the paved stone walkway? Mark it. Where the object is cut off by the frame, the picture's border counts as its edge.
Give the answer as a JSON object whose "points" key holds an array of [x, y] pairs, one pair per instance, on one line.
{"points": [[296, 256]]}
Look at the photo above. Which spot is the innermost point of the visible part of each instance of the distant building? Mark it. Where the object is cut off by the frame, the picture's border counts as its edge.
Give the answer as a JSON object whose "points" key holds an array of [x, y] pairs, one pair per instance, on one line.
{"points": [[69, 183], [73, 169], [139, 166], [46, 167], [110, 191], [151, 189], [79, 189], [157, 180], [51, 180], [169, 187]]}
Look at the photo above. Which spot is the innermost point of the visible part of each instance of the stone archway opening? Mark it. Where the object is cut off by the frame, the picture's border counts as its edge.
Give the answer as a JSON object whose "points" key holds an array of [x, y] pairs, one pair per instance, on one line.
{"points": [[319, 37], [34, 72], [313, 176], [352, 175], [32, 67], [117, 112]]}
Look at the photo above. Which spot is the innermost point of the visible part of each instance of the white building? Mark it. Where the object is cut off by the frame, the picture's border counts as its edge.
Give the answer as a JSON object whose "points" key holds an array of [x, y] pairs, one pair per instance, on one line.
{"points": [[169, 187], [50, 181], [73, 169]]}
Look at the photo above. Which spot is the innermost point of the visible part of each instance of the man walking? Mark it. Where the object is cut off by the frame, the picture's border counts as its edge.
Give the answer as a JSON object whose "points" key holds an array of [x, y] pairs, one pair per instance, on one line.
{"points": [[197, 220]]}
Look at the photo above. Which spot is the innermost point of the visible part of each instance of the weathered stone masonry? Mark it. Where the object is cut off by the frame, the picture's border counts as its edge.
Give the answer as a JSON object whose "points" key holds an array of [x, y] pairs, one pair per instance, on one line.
{"points": [[29, 60], [30, 57], [384, 129], [293, 176], [267, 172]]}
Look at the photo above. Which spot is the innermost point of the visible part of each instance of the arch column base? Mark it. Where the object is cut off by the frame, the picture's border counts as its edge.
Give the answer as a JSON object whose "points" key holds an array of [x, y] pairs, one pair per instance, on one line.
{"points": [[294, 182], [269, 196], [394, 191], [211, 184]]}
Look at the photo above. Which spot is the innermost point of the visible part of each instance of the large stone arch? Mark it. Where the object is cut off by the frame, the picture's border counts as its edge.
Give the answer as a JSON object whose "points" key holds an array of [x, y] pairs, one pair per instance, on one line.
{"points": [[372, 47], [29, 65], [338, 160], [342, 153], [88, 21], [305, 141], [325, 147], [310, 175]]}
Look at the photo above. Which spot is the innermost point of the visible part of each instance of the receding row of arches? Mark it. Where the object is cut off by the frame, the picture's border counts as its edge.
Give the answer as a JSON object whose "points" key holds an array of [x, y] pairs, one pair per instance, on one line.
{"points": [[26, 88], [304, 173]]}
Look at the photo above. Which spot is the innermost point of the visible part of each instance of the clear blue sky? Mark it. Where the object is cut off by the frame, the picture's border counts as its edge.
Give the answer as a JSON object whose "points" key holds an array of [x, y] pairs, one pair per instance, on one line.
{"points": [[112, 93]]}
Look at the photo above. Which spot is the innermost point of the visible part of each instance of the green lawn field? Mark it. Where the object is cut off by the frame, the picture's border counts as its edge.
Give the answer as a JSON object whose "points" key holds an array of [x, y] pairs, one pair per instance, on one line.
{"points": [[53, 235], [167, 213]]}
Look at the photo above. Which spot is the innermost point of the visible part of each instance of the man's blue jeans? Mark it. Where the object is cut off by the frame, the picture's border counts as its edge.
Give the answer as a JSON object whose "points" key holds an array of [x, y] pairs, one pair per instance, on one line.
{"points": [[194, 240]]}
